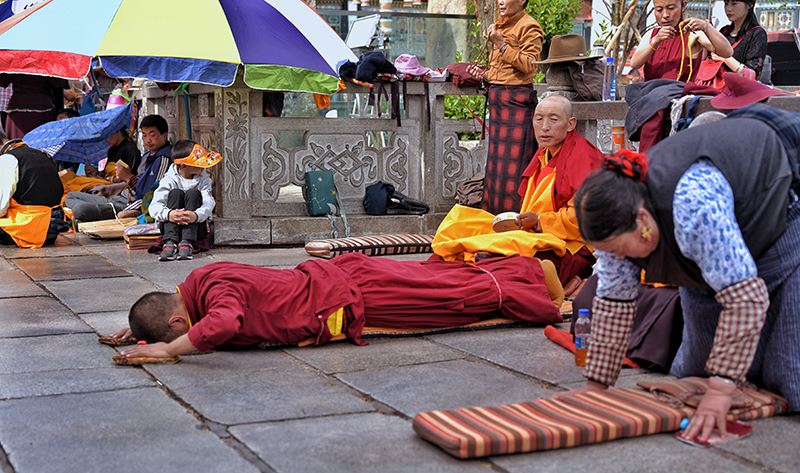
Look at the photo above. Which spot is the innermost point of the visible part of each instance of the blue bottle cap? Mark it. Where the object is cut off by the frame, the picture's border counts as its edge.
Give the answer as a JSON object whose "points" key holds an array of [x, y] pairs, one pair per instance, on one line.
{"points": [[684, 423], [610, 60], [583, 312]]}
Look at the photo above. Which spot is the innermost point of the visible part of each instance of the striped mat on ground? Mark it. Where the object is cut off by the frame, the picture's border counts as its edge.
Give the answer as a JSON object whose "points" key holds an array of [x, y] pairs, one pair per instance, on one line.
{"points": [[582, 419], [375, 245]]}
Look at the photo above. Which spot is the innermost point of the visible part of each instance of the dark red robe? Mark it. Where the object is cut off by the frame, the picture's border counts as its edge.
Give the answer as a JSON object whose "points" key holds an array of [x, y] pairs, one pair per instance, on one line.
{"points": [[576, 159], [239, 304], [665, 62]]}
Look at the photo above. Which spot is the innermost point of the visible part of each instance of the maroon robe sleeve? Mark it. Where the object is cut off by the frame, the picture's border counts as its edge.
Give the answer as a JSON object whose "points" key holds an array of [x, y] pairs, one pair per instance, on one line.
{"points": [[222, 321]]}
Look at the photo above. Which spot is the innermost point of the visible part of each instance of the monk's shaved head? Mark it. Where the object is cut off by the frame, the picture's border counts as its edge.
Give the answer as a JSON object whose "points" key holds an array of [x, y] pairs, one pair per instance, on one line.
{"points": [[553, 120], [557, 101]]}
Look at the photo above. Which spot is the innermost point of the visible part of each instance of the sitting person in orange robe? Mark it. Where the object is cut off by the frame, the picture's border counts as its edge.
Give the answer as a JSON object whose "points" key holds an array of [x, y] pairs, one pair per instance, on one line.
{"points": [[546, 225], [29, 190]]}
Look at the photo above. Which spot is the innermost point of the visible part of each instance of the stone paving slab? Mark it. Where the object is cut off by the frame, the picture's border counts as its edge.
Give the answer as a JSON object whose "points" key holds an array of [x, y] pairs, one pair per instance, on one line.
{"points": [[100, 295], [168, 274], [106, 323], [525, 350], [445, 385], [5, 265], [774, 443], [69, 267], [653, 454], [282, 257], [14, 283], [133, 430], [343, 357], [45, 383], [62, 247], [352, 443], [282, 389], [57, 352], [33, 316]]}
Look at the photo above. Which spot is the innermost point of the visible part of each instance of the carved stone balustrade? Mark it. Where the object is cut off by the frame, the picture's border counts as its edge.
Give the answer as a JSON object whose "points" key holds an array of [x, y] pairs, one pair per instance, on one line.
{"points": [[258, 184]]}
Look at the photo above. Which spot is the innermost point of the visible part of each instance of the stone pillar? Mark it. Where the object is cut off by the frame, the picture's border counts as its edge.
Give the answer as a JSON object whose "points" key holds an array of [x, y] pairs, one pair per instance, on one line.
{"points": [[233, 115]]}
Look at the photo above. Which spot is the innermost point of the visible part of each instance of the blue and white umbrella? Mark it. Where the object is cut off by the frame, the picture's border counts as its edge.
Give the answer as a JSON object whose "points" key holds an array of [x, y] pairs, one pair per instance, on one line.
{"points": [[80, 139]]}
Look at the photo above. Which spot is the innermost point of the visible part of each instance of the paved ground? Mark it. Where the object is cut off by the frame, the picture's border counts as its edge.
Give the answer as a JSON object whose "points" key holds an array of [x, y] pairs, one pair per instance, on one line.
{"points": [[65, 407]]}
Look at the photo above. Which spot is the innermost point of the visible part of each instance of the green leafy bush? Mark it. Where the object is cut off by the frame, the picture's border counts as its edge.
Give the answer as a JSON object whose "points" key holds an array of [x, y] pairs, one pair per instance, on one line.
{"points": [[555, 16]]}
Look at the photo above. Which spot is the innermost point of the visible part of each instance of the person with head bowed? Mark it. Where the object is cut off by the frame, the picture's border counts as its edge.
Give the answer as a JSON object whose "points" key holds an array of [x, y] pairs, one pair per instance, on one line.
{"points": [[674, 49], [719, 218]]}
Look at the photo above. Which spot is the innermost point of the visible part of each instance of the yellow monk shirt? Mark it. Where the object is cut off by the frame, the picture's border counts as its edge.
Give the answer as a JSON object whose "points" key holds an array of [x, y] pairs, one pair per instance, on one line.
{"points": [[561, 223]]}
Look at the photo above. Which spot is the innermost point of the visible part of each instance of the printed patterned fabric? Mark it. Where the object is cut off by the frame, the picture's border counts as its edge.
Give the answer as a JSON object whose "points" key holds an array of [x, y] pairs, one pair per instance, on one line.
{"points": [[582, 419], [748, 403], [377, 245], [511, 145]]}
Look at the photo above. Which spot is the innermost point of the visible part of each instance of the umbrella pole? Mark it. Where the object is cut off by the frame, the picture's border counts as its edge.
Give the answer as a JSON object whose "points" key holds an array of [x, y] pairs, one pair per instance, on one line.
{"points": [[188, 116]]}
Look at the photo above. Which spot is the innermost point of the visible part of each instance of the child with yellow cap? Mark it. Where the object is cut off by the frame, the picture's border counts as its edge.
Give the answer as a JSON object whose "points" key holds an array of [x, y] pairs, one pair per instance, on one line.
{"points": [[183, 201]]}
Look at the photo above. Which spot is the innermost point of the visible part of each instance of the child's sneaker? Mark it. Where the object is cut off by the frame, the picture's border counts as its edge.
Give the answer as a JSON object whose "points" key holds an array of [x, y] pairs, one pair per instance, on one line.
{"points": [[169, 251], [184, 250]]}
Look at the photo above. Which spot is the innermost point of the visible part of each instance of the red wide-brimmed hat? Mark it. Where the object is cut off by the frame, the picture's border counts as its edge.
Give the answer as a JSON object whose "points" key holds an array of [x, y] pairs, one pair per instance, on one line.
{"points": [[740, 92]]}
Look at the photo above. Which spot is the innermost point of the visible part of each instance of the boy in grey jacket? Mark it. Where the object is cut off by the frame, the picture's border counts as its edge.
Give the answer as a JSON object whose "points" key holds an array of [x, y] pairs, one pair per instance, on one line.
{"points": [[183, 201]]}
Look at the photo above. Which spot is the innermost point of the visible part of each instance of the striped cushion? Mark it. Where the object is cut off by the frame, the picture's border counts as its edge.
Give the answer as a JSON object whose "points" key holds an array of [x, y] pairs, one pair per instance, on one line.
{"points": [[587, 418], [547, 424], [376, 245]]}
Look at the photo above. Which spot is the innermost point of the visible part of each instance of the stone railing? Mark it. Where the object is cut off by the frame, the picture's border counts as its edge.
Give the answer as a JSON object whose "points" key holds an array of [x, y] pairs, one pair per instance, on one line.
{"points": [[258, 184]]}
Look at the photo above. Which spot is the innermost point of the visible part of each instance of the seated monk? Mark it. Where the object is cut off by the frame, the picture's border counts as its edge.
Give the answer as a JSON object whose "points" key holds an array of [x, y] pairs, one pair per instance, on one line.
{"points": [[29, 190], [546, 225], [236, 304]]}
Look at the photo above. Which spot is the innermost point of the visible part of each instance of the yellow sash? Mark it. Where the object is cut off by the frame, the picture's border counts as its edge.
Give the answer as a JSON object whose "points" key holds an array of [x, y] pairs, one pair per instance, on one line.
{"points": [[26, 224]]}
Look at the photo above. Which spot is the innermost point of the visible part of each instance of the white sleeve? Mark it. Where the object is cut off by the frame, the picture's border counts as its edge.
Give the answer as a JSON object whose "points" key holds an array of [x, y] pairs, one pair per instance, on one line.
{"points": [[9, 176], [158, 206]]}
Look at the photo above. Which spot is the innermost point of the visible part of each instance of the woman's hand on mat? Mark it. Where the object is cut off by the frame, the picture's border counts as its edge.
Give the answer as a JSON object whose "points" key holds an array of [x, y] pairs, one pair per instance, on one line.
{"points": [[588, 387], [122, 334], [711, 411], [151, 350], [528, 221]]}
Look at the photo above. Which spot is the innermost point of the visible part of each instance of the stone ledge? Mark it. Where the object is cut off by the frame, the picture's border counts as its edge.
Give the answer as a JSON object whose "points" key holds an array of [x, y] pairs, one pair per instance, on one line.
{"points": [[299, 230]]}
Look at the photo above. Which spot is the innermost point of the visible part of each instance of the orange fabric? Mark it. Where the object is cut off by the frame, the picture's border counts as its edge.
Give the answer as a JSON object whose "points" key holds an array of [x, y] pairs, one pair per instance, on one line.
{"points": [[514, 66], [563, 339], [74, 183], [26, 224], [560, 222]]}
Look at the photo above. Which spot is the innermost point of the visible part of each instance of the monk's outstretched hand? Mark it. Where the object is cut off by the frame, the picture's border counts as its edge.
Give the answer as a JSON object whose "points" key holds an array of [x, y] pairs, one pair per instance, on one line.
{"points": [[152, 350]]}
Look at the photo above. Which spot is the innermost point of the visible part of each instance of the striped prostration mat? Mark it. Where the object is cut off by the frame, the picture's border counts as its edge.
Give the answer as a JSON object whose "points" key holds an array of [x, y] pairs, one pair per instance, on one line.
{"points": [[548, 424], [376, 245]]}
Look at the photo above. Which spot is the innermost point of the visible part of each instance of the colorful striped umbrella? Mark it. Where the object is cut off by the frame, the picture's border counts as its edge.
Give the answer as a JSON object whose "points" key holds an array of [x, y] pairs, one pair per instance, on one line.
{"points": [[283, 44]]}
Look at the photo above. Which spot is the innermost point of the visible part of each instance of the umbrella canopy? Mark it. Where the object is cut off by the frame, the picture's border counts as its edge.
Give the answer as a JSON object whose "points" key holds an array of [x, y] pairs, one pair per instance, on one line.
{"points": [[283, 44], [80, 139]]}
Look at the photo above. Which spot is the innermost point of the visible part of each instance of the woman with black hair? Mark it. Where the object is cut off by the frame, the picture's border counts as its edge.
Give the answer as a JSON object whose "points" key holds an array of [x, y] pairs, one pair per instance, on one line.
{"points": [[748, 38], [716, 217]]}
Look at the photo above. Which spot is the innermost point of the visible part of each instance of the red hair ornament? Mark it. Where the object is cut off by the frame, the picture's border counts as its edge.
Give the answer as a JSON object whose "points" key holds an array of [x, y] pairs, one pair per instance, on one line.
{"points": [[628, 163]]}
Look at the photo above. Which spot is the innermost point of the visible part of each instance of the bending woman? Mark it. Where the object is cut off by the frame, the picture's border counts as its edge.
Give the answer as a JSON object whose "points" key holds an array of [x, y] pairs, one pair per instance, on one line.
{"points": [[716, 217], [675, 48]]}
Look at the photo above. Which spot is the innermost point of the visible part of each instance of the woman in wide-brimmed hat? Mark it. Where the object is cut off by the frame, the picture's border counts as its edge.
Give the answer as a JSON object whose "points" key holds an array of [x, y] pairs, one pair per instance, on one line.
{"points": [[719, 218]]}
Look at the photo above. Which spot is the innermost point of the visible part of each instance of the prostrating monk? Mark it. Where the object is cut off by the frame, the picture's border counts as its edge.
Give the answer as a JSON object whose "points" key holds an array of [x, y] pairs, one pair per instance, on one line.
{"points": [[238, 304], [29, 190], [676, 47], [546, 225]]}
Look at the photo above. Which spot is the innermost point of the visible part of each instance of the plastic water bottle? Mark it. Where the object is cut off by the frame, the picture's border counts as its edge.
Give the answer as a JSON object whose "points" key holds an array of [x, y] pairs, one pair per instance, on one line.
{"points": [[610, 81], [583, 330]]}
